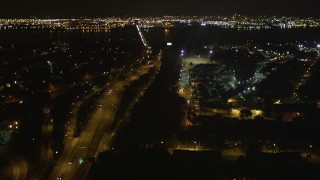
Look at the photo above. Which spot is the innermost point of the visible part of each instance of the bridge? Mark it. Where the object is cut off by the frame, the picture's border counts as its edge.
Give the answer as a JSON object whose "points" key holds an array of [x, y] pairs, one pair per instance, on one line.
{"points": [[145, 43]]}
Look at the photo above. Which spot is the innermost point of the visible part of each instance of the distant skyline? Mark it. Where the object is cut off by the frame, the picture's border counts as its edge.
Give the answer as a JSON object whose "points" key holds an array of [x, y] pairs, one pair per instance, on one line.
{"points": [[90, 8]]}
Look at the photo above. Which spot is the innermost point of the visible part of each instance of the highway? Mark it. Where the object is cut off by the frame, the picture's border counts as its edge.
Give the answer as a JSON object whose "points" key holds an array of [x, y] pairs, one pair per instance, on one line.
{"points": [[102, 119], [101, 123]]}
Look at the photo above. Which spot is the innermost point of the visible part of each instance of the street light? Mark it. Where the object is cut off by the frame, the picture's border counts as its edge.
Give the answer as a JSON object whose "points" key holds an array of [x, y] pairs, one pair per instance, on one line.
{"points": [[308, 153], [273, 147]]}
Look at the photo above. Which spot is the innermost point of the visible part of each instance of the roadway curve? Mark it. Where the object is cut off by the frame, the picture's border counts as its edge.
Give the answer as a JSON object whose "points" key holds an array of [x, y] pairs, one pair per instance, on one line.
{"points": [[87, 143]]}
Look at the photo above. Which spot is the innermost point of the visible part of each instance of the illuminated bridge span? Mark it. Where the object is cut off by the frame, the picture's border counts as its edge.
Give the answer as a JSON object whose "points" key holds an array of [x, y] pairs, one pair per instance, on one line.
{"points": [[145, 43]]}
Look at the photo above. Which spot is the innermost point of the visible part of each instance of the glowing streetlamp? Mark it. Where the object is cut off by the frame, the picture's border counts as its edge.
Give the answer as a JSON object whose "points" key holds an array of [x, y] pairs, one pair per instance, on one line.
{"points": [[273, 147]]}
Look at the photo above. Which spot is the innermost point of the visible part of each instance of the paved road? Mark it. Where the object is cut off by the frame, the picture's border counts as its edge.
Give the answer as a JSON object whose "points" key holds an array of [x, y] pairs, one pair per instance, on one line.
{"points": [[87, 143]]}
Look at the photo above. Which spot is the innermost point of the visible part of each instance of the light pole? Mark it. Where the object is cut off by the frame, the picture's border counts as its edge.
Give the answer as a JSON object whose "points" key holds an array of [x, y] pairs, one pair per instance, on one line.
{"points": [[273, 147], [310, 149]]}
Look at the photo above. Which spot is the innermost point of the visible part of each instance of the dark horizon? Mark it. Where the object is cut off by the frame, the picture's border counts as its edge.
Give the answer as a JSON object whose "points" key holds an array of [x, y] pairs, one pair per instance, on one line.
{"points": [[99, 8]]}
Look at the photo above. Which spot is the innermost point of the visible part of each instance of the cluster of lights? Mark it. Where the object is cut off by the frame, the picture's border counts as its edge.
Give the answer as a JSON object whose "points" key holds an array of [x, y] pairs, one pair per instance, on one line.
{"points": [[14, 126], [68, 24], [237, 21], [182, 53]]}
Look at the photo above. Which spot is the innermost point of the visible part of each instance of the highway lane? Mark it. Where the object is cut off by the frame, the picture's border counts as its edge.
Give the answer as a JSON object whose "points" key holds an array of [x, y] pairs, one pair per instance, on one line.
{"points": [[87, 143], [110, 112], [46, 153]]}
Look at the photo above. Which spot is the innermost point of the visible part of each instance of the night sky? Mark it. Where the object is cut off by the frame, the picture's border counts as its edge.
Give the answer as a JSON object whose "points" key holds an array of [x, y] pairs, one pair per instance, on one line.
{"points": [[90, 8]]}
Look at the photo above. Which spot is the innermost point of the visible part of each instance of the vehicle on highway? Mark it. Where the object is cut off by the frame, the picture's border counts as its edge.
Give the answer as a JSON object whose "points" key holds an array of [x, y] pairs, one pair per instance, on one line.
{"points": [[60, 177]]}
